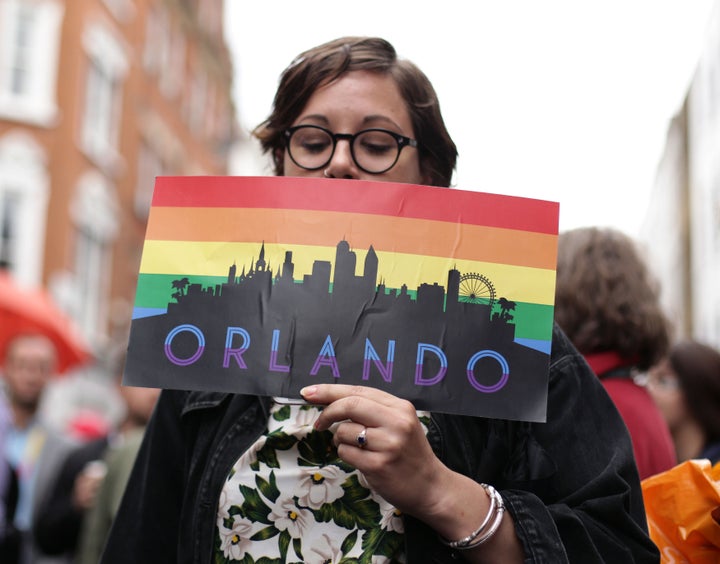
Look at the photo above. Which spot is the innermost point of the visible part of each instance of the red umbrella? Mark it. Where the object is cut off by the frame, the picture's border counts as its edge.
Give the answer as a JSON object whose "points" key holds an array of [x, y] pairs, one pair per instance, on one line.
{"points": [[23, 310]]}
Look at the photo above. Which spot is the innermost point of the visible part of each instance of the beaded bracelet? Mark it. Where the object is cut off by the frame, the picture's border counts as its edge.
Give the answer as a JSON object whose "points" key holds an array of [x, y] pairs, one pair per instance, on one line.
{"points": [[495, 513]]}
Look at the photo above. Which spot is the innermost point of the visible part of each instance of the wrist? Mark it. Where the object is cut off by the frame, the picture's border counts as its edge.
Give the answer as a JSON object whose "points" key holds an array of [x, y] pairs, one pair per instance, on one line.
{"points": [[489, 526], [457, 506]]}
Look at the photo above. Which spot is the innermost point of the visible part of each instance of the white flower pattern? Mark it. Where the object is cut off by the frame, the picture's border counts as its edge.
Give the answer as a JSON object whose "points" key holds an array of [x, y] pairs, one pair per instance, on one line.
{"points": [[324, 552], [302, 423], [319, 486], [292, 475], [223, 507], [287, 516], [235, 542], [392, 520]]}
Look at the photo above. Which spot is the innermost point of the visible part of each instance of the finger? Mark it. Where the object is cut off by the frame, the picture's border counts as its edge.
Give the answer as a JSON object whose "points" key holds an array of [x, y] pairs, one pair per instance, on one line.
{"points": [[354, 435], [361, 410], [400, 420], [328, 393]]}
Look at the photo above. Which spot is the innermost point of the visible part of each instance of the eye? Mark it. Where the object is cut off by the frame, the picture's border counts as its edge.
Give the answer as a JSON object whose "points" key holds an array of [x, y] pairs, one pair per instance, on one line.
{"points": [[315, 145], [376, 143], [311, 141]]}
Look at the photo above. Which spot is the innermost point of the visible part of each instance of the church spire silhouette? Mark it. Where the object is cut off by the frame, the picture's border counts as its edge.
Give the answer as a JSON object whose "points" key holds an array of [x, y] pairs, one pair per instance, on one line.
{"points": [[260, 264]]}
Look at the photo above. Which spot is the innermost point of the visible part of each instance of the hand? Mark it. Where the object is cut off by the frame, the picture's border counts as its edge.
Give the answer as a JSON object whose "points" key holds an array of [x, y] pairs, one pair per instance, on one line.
{"points": [[397, 460], [400, 466], [87, 484]]}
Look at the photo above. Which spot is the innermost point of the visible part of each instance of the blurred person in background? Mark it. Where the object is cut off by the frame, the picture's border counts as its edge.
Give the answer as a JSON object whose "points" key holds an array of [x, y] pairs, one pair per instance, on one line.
{"points": [[686, 387], [93, 477], [57, 526], [608, 305], [33, 448], [118, 462], [9, 541]]}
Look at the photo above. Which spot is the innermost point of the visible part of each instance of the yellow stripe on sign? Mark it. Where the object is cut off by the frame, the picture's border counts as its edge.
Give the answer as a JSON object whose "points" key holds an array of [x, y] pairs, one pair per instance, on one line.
{"points": [[189, 258]]}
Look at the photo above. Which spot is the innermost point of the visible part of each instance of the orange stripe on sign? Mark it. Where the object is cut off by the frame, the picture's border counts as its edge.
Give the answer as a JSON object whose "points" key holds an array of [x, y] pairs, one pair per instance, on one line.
{"points": [[326, 228]]}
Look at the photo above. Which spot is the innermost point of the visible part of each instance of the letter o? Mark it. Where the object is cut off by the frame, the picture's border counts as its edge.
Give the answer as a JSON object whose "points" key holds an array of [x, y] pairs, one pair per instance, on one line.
{"points": [[197, 354], [503, 365]]}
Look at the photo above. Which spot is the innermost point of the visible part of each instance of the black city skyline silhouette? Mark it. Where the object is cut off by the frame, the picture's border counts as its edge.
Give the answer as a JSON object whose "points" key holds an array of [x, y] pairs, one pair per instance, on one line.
{"points": [[290, 322]]}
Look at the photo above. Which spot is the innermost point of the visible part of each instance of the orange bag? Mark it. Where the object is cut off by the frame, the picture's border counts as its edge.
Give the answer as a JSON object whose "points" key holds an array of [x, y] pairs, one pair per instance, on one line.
{"points": [[683, 512]]}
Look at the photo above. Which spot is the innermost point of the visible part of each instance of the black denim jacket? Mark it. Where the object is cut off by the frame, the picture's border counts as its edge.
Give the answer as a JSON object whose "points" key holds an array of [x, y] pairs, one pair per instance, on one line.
{"points": [[570, 484]]}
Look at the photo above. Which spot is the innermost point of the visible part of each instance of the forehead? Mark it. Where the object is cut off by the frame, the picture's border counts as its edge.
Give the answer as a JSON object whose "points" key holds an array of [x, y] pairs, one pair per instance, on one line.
{"points": [[357, 97], [31, 346]]}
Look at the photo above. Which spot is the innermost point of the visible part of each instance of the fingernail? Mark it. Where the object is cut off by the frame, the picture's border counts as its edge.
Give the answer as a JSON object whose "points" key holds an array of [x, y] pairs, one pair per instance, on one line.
{"points": [[309, 391]]}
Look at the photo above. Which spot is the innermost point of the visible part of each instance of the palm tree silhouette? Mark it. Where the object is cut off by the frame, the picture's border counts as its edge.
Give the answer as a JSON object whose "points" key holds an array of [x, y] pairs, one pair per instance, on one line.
{"points": [[180, 286], [505, 307]]}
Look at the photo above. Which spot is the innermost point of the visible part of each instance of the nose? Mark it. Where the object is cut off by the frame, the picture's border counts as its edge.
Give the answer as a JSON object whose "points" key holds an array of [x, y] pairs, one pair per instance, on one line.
{"points": [[342, 165]]}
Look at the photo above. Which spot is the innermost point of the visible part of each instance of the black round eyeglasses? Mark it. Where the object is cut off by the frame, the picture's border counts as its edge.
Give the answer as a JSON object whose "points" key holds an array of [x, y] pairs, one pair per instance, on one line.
{"points": [[374, 150]]}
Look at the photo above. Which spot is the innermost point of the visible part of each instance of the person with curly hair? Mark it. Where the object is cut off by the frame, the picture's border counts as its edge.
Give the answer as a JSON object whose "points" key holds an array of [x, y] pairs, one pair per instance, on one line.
{"points": [[607, 302]]}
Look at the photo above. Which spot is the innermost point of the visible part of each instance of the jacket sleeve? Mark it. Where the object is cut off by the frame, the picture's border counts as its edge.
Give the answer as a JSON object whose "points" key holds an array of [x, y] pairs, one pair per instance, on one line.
{"points": [[570, 484], [146, 527], [589, 507]]}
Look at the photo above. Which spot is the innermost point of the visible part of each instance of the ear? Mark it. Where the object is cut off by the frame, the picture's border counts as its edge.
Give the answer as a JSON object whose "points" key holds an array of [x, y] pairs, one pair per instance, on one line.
{"points": [[426, 175], [279, 160]]}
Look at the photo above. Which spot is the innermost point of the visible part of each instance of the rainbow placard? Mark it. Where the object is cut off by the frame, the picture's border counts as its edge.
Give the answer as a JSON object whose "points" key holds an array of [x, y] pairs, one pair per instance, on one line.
{"points": [[263, 285]]}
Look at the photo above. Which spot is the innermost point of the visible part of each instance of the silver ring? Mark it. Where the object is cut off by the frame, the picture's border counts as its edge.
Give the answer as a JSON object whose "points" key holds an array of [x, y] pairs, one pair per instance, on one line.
{"points": [[361, 439], [326, 174]]}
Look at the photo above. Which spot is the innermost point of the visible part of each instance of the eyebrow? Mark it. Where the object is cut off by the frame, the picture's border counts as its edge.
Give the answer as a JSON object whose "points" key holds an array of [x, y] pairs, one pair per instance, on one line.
{"points": [[367, 120]]}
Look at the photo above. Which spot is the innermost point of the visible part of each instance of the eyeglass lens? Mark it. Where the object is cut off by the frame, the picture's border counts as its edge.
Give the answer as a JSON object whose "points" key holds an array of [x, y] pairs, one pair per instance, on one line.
{"points": [[374, 151]]}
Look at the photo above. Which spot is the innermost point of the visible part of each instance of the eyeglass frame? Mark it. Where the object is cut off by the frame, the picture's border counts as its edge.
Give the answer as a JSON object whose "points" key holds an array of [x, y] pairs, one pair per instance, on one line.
{"points": [[401, 140]]}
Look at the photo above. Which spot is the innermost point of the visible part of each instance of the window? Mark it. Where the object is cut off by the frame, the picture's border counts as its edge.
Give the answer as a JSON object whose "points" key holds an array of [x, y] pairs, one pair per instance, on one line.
{"points": [[29, 53], [225, 123], [714, 217], [91, 258], [101, 99], [173, 72], [210, 125], [20, 65], [122, 10], [150, 165], [209, 16], [153, 40], [164, 54], [24, 194], [106, 70], [195, 108], [9, 207], [95, 214]]}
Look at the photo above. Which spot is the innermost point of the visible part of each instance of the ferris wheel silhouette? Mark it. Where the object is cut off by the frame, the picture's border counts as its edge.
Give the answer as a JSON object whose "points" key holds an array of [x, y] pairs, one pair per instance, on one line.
{"points": [[476, 289]]}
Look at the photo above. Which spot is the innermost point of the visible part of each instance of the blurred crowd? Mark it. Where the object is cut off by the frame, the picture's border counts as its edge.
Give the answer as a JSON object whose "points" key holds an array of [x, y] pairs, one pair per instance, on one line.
{"points": [[62, 478], [64, 466], [666, 388]]}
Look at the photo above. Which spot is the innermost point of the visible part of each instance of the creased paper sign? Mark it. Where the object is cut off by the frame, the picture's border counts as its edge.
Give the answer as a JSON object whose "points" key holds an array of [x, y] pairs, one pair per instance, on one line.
{"points": [[266, 285]]}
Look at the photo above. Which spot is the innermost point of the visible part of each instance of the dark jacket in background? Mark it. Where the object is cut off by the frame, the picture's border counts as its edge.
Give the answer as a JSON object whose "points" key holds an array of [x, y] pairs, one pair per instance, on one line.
{"points": [[57, 523]]}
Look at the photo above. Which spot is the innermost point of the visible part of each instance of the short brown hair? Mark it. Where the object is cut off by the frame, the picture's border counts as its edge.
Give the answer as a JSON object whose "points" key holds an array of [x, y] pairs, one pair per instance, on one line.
{"points": [[697, 367], [327, 62], [606, 298]]}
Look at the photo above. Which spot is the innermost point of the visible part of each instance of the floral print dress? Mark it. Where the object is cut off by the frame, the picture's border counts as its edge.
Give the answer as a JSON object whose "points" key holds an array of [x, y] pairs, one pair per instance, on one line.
{"points": [[289, 498]]}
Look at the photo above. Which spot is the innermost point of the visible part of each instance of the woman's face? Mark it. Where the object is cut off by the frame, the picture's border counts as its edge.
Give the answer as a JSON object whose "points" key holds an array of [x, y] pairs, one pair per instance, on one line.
{"points": [[664, 387], [359, 100]]}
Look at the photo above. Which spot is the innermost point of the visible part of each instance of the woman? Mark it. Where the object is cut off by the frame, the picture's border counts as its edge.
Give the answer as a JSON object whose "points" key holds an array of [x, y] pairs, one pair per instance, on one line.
{"points": [[486, 490], [686, 388], [608, 305]]}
